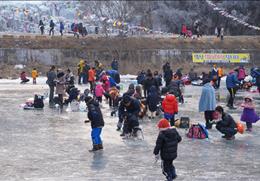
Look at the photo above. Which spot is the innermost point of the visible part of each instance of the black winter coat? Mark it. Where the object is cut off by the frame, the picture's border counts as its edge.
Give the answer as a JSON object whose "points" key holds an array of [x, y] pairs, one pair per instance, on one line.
{"points": [[153, 99], [258, 81], [174, 88], [95, 115], [148, 83], [158, 80], [167, 144], [166, 67], [133, 108], [131, 112], [168, 75], [227, 122]]}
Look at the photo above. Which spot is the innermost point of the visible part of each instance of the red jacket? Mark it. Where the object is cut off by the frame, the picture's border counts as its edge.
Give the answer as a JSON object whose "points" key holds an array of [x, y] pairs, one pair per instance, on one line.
{"points": [[91, 75], [170, 104], [184, 29]]}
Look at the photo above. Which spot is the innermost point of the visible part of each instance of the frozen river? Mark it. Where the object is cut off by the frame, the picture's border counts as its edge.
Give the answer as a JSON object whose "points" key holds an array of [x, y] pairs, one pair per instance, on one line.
{"points": [[46, 145]]}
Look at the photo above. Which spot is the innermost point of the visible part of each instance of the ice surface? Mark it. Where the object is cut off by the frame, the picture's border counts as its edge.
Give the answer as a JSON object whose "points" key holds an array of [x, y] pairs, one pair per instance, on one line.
{"points": [[45, 145]]}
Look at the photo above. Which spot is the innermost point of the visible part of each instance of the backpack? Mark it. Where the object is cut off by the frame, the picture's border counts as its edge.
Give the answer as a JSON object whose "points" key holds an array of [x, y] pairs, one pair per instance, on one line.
{"points": [[38, 101], [197, 131]]}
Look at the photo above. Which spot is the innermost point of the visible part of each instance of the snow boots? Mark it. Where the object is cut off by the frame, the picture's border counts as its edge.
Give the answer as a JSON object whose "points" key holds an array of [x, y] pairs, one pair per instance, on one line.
{"points": [[96, 148], [100, 146]]}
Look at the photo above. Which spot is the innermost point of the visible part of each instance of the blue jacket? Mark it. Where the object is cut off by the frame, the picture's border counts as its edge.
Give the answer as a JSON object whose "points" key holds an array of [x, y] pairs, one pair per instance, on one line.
{"points": [[114, 74], [114, 65], [213, 73], [61, 26], [232, 81], [207, 98], [112, 82]]}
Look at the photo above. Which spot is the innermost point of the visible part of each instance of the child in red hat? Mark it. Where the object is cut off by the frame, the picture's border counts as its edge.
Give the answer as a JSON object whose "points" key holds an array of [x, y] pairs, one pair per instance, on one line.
{"points": [[166, 145]]}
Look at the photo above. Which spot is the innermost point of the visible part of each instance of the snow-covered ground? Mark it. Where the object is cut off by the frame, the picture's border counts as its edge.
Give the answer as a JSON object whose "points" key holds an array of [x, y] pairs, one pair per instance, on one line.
{"points": [[46, 145]]}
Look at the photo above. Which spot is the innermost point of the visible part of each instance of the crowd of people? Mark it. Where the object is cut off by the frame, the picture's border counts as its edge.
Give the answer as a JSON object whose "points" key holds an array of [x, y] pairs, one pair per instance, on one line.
{"points": [[155, 94], [76, 29], [196, 32]]}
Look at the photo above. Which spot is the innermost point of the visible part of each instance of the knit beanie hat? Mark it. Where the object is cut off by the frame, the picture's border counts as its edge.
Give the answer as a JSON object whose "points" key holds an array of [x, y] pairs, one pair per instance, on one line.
{"points": [[163, 123]]}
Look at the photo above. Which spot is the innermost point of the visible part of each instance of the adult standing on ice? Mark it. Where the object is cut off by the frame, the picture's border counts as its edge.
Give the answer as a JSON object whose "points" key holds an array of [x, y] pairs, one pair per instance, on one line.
{"points": [[60, 87], [232, 85], [207, 102], [51, 78]]}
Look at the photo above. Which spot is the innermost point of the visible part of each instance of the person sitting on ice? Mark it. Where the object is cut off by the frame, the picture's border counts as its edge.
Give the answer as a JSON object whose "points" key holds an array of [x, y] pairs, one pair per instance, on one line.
{"points": [[129, 109], [73, 94], [95, 116], [167, 145], [225, 124], [23, 78]]}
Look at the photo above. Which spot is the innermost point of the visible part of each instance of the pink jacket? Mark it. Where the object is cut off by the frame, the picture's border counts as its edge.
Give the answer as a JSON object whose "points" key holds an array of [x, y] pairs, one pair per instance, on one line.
{"points": [[99, 91], [241, 73], [106, 85]]}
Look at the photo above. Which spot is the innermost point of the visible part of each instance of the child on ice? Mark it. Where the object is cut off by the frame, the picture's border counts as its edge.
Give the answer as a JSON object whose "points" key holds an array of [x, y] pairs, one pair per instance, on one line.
{"points": [[170, 108], [34, 75], [99, 92], [249, 115], [97, 123], [167, 145]]}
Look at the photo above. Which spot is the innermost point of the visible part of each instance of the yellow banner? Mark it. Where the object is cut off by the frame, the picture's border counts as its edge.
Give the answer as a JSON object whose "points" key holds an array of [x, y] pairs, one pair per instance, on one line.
{"points": [[220, 57]]}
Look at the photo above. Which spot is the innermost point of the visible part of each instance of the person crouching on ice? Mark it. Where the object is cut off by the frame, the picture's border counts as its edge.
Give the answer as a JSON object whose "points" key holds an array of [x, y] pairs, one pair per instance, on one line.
{"points": [[226, 124], [97, 122], [167, 145]]}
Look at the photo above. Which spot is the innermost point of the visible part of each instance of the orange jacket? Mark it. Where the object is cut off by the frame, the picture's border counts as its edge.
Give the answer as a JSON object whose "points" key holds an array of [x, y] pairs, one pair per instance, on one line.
{"points": [[114, 92], [34, 74], [220, 72], [91, 75], [170, 104]]}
